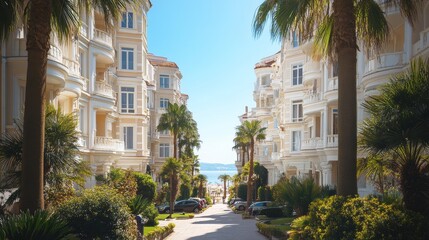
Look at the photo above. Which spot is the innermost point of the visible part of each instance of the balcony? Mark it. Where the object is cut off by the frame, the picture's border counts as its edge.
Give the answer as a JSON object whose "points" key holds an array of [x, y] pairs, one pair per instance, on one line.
{"points": [[108, 143], [155, 136], [332, 141], [55, 53], [73, 67], [332, 84], [104, 89], [423, 43], [84, 30], [102, 37], [384, 61], [311, 72], [82, 141], [311, 143], [312, 97]]}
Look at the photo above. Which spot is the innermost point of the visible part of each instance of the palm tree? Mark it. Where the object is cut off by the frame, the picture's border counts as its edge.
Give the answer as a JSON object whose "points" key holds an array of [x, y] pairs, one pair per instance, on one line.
{"points": [[41, 18], [176, 119], [171, 169], [201, 179], [236, 179], [335, 28], [252, 131], [224, 178], [398, 125], [242, 145], [61, 167], [189, 139]]}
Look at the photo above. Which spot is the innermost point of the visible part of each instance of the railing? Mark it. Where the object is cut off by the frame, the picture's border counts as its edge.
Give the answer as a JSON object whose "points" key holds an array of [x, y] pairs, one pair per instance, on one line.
{"points": [[83, 141], [55, 53], [103, 37], [311, 143], [312, 97], [73, 66], [84, 30], [422, 43], [332, 84], [275, 156], [155, 135], [332, 141], [108, 143], [104, 89], [85, 83], [385, 60]]}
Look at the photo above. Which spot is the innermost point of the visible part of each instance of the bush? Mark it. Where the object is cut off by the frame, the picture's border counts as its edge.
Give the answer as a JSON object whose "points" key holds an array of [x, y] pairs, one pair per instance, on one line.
{"points": [[146, 187], [40, 225], [242, 191], [272, 212], [271, 231], [185, 192], [264, 193], [209, 200], [359, 218], [147, 209], [99, 213], [151, 213], [160, 232]]}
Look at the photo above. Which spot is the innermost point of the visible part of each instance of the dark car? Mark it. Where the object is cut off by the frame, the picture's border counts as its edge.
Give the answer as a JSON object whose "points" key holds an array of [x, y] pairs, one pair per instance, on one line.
{"points": [[233, 200], [184, 206], [256, 207]]}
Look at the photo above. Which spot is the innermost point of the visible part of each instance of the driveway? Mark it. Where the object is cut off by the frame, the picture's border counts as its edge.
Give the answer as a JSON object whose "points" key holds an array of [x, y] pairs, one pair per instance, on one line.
{"points": [[217, 222]]}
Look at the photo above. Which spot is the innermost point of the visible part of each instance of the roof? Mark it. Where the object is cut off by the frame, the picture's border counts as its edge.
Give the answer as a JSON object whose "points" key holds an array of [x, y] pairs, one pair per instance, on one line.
{"points": [[163, 63], [265, 64]]}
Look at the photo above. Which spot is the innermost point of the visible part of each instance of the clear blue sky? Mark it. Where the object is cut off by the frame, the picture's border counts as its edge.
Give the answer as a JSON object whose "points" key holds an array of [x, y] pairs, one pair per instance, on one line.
{"points": [[212, 43]]}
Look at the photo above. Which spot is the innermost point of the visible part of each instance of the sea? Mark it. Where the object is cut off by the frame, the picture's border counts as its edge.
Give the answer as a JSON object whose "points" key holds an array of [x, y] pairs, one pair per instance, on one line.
{"points": [[212, 175]]}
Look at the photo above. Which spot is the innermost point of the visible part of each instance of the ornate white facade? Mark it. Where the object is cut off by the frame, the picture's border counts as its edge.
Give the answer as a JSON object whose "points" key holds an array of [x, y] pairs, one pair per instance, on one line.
{"points": [[296, 99]]}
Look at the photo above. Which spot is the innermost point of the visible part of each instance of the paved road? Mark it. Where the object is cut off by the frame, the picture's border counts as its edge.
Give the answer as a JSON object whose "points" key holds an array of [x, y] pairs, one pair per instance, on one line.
{"points": [[217, 222]]}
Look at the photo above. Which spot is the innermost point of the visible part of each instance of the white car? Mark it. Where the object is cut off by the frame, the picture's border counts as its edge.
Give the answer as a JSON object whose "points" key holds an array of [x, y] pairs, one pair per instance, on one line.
{"points": [[240, 205]]}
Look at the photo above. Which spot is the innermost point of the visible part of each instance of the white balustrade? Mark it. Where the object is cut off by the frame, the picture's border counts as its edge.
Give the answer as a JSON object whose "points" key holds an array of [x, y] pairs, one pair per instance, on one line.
{"points": [[84, 30], [108, 143], [55, 53], [332, 84], [313, 97], [83, 141], [310, 143], [103, 37], [104, 89], [385, 60], [73, 66], [332, 140]]}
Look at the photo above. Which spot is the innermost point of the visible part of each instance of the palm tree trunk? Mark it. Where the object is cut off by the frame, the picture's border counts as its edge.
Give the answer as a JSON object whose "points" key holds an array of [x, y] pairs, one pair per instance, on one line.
{"points": [[224, 189], [39, 29], [345, 37], [243, 157], [249, 180], [171, 196], [175, 145]]}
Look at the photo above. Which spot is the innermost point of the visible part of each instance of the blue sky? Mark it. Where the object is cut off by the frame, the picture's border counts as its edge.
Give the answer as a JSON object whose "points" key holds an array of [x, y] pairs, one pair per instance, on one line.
{"points": [[212, 43]]}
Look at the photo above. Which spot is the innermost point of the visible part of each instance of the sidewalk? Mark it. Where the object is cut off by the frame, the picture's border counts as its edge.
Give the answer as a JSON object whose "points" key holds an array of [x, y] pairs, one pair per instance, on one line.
{"points": [[217, 222]]}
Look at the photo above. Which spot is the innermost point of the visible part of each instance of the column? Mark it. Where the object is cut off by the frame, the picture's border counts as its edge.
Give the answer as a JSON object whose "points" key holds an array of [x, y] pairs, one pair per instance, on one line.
{"points": [[325, 77], [92, 117], [325, 125], [92, 71], [408, 42]]}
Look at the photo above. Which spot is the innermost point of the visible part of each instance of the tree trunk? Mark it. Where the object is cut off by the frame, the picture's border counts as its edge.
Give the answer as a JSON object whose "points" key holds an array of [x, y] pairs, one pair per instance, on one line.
{"points": [[171, 196], [39, 29], [414, 185], [175, 145], [249, 180], [345, 38], [243, 157], [224, 188]]}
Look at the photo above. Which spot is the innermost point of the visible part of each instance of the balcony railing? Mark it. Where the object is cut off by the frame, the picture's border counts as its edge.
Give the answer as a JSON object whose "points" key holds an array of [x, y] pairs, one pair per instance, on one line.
{"points": [[385, 60], [312, 97], [332, 140], [108, 143], [422, 43], [103, 37], [73, 66], [83, 141], [84, 30], [55, 53], [332, 84], [311, 143], [85, 83], [104, 89]]}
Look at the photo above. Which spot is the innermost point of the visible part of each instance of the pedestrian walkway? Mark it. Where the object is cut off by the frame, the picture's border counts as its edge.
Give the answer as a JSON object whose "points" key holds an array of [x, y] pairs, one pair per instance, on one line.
{"points": [[217, 222]]}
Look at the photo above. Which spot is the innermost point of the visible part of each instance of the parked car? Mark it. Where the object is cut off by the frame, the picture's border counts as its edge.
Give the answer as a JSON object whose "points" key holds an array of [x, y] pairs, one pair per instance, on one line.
{"points": [[256, 207], [240, 205], [233, 200], [202, 201], [183, 206]]}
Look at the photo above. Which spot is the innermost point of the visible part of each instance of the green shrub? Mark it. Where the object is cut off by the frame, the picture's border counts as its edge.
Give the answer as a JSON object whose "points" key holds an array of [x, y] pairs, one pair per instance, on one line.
{"points": [[242, 191], [160, 232], [146, 187], [357, 218], [99, 213], [40, 225], [151, 213], [264, 193], [271, 231], [185, 192], [141, 206], [209, 200], [272, 212]]}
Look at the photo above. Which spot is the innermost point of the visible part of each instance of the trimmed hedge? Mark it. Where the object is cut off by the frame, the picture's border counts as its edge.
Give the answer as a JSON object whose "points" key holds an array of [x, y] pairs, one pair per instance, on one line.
{"points": [[160, 232], [271, 231], [272, 212]]}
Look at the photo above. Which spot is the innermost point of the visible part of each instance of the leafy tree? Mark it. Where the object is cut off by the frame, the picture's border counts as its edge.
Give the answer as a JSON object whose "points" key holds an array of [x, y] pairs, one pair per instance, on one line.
{"points": [[123, 181], [242, 191], [146, 187], [41, 18], [241, 143], [224, 178], [335, 26], [171, 169], [61, 168], [398, 125]]}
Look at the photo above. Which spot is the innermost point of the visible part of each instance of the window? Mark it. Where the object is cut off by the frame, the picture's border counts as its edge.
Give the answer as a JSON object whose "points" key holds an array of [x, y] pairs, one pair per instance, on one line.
{"points": [[163, 103], [129, 137], [164, 81], [296, 141], [297, 111], [127, 20], [127, 100], [295, 40], [334, 121], [265, 151], [127, 58], [164, 150], [297, 74]]}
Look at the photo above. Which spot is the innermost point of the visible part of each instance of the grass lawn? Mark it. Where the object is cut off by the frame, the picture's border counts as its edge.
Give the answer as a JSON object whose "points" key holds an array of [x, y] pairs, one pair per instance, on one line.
{"points": [[163, 216], [147, 230], [280, 223]]}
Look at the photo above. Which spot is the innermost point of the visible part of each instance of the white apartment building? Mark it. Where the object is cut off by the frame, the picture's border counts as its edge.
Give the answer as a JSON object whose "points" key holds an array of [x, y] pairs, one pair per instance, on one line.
{"points": [[296, 99], [165, 90], [102, 75]]}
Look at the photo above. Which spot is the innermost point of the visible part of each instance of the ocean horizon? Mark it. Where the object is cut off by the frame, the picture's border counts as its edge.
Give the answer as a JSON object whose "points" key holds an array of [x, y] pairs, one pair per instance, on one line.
{"points": [[212, 176]]}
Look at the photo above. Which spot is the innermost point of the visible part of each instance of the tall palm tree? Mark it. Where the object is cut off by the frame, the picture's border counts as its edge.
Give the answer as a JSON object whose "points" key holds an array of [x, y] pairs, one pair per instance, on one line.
{"points": [[224, 178], [176, 119], [241, 143], [335, 26], [252, 131], [236, 179], [189, 139], [171, 169], [41, 18], [201, 179], [398, 125]]}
